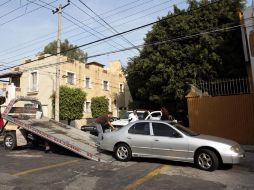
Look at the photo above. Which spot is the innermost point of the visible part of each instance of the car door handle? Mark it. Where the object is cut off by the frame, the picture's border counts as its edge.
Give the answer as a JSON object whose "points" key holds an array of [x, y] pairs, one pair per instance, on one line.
{"points": [[128, 137], [156, 140]]}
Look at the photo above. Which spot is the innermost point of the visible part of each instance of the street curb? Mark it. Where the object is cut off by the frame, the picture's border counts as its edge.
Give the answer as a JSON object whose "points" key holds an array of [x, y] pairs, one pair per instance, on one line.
{"points": [[248, 148]]}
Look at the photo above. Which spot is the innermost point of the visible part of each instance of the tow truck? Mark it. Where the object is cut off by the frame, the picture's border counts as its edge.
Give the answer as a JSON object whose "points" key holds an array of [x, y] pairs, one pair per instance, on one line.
{"points": [[25, 122]]}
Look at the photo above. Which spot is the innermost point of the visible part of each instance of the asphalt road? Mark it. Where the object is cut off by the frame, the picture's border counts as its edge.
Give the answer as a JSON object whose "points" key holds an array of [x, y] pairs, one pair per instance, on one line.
{"points": [[33, 169]]}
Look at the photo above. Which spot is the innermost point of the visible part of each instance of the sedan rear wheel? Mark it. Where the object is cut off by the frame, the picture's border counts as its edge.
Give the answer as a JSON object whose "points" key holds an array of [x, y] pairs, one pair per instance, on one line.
{"points": [[123, 152], [206, 160]]}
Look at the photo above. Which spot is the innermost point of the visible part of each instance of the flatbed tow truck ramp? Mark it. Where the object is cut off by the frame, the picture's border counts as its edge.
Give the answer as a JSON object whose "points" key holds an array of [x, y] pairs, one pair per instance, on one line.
{"points": [[26, 114]]}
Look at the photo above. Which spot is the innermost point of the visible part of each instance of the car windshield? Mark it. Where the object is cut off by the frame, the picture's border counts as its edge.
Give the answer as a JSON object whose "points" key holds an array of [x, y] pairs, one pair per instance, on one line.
{"points": [[184, 130]]}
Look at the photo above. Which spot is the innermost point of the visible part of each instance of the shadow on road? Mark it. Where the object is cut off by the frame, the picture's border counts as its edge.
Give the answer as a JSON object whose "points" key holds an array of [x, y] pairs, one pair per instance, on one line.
{"points": [[177, 163]]}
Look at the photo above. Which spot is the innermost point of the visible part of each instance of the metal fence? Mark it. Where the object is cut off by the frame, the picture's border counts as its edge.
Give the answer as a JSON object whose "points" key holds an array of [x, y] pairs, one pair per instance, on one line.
{"points": [[226, 87]]}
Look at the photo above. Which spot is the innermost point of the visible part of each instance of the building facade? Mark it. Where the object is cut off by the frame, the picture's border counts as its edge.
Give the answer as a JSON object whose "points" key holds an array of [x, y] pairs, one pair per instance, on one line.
{"points": [[37, 77]]}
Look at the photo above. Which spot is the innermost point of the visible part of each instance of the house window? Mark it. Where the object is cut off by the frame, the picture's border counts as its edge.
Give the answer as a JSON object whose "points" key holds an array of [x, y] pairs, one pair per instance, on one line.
{"points": [[121, 88], [105, 85], [87, 107], [33, 81], [88, 82], [70, 78]]}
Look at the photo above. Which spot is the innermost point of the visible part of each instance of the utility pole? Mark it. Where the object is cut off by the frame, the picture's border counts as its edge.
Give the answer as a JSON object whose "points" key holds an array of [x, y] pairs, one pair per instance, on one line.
{"points": [[57, 81]]}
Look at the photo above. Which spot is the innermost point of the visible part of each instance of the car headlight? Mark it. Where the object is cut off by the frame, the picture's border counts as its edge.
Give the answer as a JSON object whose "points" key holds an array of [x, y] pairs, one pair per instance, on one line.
{"points": [[236, 148]]}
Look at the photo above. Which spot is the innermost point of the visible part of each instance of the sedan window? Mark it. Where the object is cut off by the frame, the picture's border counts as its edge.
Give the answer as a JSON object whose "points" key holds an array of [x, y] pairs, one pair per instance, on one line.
{"points": [[140, 129], [161, 129]]}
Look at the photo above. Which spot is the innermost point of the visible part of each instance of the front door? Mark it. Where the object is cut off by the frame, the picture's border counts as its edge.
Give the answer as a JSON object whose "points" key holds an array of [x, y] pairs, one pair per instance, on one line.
{"points": [[168, 143]]}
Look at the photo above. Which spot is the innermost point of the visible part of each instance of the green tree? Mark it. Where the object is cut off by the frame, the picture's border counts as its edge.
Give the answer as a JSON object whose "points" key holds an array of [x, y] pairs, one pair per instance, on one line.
{"points": [[99, 106], [76, 54], [71, 103], [159, 75]]}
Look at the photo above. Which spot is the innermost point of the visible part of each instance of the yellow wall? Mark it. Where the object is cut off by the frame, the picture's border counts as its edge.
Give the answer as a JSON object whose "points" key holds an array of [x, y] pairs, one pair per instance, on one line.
{"points": [[46, 76]]}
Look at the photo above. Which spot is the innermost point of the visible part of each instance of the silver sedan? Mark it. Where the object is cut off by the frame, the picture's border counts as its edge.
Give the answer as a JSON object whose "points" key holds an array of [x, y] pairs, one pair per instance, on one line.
{"points": [[167, 140]]}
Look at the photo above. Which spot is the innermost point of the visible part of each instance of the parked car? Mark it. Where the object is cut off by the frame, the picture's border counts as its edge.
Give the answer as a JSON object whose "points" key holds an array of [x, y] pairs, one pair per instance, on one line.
{"points": [[91, 128], [172, 141], [155, 115]]}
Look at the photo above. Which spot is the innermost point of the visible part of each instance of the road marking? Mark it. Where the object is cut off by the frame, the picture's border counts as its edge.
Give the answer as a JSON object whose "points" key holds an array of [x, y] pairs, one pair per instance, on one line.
{"points": [[26, 172], [148, 176]]}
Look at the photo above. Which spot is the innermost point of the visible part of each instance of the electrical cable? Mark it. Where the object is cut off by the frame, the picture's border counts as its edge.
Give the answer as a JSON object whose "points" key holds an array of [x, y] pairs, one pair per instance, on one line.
{"points": [[68, 30], [17, 17], [69, 26], [223, 29], [128, 31], [91, 29], [5, 3], [104, 21]]}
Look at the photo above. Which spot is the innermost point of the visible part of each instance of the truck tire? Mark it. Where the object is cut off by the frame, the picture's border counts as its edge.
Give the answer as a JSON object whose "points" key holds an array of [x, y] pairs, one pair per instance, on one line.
{"points": [[10, 142]]}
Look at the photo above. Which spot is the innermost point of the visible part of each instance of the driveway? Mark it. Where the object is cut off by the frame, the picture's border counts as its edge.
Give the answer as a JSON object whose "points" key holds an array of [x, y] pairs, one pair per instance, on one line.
{"points": [[33, 169]]}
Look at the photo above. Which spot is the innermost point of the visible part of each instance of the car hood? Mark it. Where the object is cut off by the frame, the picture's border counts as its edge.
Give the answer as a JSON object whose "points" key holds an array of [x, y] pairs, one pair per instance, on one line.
{"points": [[216, 139]]}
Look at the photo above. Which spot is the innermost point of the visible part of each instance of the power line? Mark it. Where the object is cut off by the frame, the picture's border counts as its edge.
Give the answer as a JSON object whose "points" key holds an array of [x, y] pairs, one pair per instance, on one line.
{"points": [[90, 31], [168, 40], [223, 29], [14, 10], [45, 4], [21, 48], [66, 18], [5, 3], [86, 26], [104, 21], [37, 49], [79, 39], [128, 31], [76, 28], [180, 38], [17, 17], [116, 52], [82, 21]]}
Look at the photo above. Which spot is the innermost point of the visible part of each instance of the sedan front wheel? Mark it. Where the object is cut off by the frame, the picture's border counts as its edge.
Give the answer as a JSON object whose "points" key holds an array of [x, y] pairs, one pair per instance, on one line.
{"points": [[206, 160], [122, 152]]}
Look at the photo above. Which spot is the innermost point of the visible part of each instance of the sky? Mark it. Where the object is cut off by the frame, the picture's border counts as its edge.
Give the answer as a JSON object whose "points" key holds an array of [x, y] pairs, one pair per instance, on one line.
{"points": [[26, 27]]}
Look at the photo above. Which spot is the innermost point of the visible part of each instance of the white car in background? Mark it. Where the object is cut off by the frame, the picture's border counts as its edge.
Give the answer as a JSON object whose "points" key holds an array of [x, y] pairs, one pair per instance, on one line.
{"points": [[155, 115]]}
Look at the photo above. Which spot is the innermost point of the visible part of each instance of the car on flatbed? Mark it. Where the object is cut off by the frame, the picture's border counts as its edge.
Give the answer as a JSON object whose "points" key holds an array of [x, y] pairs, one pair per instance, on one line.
{"points": [[171, 141]]}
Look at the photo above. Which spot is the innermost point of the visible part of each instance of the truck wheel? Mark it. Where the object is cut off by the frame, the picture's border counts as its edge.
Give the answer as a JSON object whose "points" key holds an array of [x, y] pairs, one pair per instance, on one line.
{"points": [[10, 141]]}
